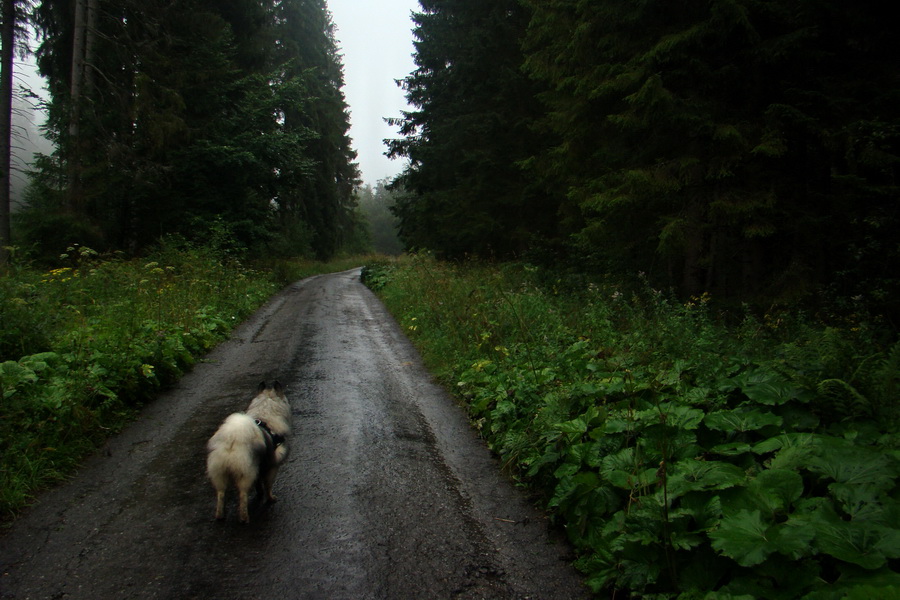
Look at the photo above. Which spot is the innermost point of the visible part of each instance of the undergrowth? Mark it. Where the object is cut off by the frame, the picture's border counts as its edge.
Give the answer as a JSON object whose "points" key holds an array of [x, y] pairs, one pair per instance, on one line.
{"points": [[685, 455], [83, 346]]}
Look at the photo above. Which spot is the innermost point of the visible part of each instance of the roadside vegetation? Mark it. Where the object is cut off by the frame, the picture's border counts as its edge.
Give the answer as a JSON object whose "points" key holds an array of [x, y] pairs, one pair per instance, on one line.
{"points": [[84, 345], [688, 452]]}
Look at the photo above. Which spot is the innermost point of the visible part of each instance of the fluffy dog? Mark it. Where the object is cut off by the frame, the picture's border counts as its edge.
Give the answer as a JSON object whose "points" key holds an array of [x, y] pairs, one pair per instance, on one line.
{"points": [[248, 448]]}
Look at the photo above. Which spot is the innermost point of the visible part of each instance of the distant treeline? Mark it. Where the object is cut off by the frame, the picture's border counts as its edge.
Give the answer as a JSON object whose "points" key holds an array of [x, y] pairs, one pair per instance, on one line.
{"points": [[748, 148], [201, 118]]}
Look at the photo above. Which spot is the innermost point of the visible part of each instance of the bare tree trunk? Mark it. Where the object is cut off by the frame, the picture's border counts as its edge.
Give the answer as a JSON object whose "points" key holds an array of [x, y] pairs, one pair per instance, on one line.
{"points": [[7, 40], [90, 37], [74, 158]]}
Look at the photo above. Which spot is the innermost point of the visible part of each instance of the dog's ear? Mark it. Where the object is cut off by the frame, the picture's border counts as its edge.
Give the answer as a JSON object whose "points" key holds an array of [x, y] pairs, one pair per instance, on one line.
{"points": [[278, 387], [261, 388]]}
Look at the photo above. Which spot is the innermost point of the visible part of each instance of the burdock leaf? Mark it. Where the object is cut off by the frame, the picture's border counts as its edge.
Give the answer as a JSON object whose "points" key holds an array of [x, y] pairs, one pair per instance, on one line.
{"points": [[740, 420], [690, 475], [793, 539], [866, 544], [846, 463], [743, 537], [766, 387], [781, 487]]}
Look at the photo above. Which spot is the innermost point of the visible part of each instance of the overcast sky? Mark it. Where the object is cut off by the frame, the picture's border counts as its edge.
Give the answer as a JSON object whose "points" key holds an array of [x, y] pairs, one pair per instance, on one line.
{"points": [[375, 37]]}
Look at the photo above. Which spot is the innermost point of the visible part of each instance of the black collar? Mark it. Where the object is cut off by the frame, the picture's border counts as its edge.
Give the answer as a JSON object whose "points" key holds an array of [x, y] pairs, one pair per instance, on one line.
{"points": [[277, 440]]}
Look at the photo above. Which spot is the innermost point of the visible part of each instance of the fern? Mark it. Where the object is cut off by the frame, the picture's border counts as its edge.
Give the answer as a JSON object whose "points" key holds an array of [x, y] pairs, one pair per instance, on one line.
{"points": [[886, 382], [842, 401]]}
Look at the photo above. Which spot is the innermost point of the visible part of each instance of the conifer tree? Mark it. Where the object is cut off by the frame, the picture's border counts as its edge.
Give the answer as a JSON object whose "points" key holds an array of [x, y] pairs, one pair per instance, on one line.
{"points": [[699, 140], [466, 192], [7, 41], [203, 114], [323, 199]]}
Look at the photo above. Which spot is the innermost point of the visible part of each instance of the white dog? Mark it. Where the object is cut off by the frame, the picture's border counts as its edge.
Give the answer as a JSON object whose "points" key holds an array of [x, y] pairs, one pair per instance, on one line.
{"points": [[248, 448]]}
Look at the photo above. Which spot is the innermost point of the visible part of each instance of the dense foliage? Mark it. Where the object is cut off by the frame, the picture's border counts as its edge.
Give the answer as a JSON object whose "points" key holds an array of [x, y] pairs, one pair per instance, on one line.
{"points": [[741, 147], [685, 458], [375, 203], [173, 117]]}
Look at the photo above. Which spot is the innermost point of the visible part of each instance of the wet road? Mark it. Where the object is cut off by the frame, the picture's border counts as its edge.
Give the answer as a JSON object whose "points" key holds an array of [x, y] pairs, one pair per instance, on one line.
{"points": [[387, 492]]}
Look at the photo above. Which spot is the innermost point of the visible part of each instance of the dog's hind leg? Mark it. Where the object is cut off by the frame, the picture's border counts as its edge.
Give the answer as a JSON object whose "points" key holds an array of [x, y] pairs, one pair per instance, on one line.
{"points": [[219, 479], [244, 485], [269, 483], [220, 504], [243, 505]]}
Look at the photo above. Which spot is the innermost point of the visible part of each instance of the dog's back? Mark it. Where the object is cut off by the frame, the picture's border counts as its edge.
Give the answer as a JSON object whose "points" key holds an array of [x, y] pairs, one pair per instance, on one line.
{"points": [[271, 406], [236, 451]]}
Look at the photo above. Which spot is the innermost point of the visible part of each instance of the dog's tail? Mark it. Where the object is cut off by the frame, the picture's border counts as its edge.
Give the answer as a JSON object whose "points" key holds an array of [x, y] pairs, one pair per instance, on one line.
{"points": [[235, 451]]}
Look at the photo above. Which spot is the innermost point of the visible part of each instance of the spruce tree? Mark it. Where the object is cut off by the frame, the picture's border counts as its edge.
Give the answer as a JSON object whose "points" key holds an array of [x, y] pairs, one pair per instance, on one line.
{"points": [[201, 114], [466, 193], [704, 141]]}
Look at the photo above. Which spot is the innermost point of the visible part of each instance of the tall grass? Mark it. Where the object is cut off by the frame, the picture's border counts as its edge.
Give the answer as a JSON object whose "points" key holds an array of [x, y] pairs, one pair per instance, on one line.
{"points": [[84, 345], [687, 452]]}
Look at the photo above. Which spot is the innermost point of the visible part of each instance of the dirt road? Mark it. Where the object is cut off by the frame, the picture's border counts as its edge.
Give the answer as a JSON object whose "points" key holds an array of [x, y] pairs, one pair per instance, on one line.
{"points": [[387, 492]]}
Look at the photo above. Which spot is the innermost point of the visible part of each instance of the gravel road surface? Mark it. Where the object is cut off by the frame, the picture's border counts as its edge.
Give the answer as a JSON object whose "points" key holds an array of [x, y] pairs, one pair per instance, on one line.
{"points": [[387, 493]]}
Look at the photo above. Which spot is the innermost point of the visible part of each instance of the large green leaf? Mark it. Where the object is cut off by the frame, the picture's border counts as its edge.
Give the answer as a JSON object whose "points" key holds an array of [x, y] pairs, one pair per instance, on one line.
{"points": [[767, 387], [749, 538], [846, 463], [743, 538], [781, 487], [576, 426], [771, 492], [691, 475], [793, 538], [740, 420], [706, 509], [865, 544], [629, 480], [866, 502], [12, 374]]}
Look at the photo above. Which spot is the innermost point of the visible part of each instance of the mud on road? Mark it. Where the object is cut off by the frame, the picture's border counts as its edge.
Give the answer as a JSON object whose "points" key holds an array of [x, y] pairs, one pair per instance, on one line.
{"points": [[387, 493]]}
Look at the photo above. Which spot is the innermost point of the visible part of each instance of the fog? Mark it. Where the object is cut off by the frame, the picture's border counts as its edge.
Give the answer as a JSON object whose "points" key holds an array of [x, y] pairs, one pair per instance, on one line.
{"points": [[375, 39]]}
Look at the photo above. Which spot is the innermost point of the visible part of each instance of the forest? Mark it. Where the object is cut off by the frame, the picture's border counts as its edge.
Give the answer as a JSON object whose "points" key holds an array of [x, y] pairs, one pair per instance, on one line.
{"points": [[744, 148], [194, 119], [651, 246]]}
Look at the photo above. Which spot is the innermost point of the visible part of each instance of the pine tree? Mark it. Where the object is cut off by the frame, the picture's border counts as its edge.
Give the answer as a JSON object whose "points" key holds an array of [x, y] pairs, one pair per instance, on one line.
{"points": [[323, 200], [703, 133], [202, 114], [7, 41], [466, 190]]}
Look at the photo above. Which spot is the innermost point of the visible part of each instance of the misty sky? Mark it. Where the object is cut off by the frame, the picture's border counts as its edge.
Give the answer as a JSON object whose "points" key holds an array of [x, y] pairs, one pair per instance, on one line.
{"points": [[375, 38]]}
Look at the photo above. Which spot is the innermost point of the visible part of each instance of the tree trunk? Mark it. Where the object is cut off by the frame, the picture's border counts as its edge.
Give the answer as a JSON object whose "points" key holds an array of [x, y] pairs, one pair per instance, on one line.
{"points": [[693, 274], [7, 41], [75, 93]]}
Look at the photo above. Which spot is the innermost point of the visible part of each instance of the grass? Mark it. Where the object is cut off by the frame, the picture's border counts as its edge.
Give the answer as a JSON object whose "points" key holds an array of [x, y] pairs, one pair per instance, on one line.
{"points": [[84, 345], [688, 452]]}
